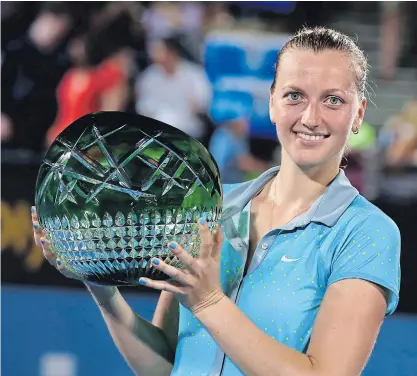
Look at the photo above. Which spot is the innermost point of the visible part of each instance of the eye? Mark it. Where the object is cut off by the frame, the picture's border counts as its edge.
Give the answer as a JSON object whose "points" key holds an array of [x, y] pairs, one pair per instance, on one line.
{"points": [[293, 96], [334, 101]]}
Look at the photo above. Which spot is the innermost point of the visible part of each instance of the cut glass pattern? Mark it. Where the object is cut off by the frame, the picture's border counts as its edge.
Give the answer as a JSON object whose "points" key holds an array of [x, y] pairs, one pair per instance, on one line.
{"points": [[115, 188]]}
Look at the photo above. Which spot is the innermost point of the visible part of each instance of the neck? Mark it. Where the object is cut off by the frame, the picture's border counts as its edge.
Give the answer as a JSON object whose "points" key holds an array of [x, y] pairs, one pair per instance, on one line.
{"points": [[170, 67], [298, 188], [236, 131]]}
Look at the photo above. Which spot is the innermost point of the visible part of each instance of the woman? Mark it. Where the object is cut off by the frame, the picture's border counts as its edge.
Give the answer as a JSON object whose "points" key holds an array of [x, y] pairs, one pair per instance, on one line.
{"points": [[99, 79], [307, 269]]}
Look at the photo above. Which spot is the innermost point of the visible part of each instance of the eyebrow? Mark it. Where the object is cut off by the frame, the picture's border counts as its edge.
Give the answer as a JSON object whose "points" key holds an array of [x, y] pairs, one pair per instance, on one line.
{"points": [[292, 87], [327, 91]]}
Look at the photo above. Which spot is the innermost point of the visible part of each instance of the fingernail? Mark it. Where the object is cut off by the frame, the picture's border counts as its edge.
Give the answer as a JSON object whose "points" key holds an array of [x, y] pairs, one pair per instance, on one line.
{"points": [[33, 209], [202, 221], [42, 242], [142, 281], [155, 261], [58, 262], [172, 245], [35, 227]]}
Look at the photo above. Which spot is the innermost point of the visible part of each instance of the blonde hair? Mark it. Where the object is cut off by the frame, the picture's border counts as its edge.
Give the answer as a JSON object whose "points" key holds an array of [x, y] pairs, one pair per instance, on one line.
{"points": [[320, 39]]}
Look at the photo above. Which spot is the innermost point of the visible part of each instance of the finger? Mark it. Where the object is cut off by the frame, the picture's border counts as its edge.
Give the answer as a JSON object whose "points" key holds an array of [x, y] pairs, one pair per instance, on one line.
{"points": [[181, 254], [62, 268], [47, 252], [50, 257], [169, 286], [206, 239], [60, 265], [34, 213], [175, 273], [217, 243], [36, 225], [37, 233]]}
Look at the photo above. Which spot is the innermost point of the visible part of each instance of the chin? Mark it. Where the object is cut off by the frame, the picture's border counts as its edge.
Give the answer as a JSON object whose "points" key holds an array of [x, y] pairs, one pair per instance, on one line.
{"points": [[309, 159], [309, 162], [316, 162], [307, 166]]}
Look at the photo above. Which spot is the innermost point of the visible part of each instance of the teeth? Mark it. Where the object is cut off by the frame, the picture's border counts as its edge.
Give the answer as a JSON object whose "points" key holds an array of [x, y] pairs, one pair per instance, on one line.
{"points": [[309, 137]]}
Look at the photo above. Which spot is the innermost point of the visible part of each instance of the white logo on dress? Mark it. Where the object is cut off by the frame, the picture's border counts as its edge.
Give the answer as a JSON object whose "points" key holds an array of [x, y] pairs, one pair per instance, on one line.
{"points": [[285, 259]]}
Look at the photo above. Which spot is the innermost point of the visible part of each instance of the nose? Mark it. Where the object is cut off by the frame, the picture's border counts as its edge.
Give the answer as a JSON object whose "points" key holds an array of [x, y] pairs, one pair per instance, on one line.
{"points": [[311, 116]]}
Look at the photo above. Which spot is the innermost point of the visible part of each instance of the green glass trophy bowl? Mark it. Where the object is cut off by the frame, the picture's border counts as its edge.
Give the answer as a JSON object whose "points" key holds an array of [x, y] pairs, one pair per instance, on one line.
{"points": [[115, 188]]}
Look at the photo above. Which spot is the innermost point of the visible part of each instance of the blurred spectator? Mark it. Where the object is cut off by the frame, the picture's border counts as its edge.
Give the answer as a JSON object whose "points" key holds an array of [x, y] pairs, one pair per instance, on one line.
{"points": [[398, 143], [217, 16], [99, 79], [33, 64], [399, 137], [6, 128], [163, 19], [390, 38], [174, 90], [16, 17], [398, 37], [133, 31], [408, 57], [229, 143]]}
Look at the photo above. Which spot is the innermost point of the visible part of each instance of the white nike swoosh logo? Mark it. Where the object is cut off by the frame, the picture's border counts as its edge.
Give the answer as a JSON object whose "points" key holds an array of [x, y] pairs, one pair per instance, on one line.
{"points": [[285, 259]]}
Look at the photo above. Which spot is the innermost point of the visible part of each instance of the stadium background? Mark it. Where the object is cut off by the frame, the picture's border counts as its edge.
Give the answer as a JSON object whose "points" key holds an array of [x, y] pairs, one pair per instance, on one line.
{"points": [[50, 326]]}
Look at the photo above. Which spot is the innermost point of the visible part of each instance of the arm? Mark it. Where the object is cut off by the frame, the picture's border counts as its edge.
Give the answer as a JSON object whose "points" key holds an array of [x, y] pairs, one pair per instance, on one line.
{"points": [[225, 148], [148, 348], [145, 102], [342, 339], [166, 317], [145, 346], [343, 334], [114, 99], [201, 91], [363, 286], [112, 82]]}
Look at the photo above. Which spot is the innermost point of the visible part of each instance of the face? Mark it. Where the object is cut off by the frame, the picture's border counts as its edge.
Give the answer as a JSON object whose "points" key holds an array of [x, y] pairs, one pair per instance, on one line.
{"points": [[160, 54], [315, 105], [49, 29], [77, 50]]}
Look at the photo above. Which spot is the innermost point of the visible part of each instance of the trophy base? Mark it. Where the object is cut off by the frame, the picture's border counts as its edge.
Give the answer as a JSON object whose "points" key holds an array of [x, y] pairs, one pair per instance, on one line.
{"points": [[125, 272]]}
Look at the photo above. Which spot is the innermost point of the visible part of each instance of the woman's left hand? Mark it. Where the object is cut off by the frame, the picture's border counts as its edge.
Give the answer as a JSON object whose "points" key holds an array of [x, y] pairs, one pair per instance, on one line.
{"points": [[198, 284]]}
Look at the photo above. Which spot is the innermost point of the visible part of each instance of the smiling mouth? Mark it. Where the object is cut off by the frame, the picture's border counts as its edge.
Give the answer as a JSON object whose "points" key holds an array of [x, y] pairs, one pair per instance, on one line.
{"points": [[310, 137]]}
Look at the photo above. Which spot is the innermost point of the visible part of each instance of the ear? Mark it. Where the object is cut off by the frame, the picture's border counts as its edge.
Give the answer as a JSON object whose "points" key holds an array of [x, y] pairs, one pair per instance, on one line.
{"points": [[360, 115], [271, 108]]}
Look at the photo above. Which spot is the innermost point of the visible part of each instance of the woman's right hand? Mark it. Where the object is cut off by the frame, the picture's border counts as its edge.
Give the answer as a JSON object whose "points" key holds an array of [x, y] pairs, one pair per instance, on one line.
{"points": [[40, 240]]}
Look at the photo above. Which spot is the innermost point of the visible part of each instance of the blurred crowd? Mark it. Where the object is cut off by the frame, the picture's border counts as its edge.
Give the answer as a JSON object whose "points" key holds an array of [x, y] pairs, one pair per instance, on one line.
{"points": [[77, 58], [61, 60], [70, 59]]}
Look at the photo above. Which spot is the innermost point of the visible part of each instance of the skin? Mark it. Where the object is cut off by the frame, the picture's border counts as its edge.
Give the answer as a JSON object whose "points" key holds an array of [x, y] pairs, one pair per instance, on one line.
{"points": [[169, 61], [343, 334], [315, 94], [164, 57]]}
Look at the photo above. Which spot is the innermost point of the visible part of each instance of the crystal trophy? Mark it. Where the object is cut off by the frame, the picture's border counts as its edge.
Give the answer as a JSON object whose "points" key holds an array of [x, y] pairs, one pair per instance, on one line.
{"points": [[115, 188]]}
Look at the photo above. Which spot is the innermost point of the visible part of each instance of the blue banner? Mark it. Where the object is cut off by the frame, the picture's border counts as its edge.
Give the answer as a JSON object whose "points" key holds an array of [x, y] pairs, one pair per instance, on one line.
{"points": [[60, 332], [238, 61]]}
